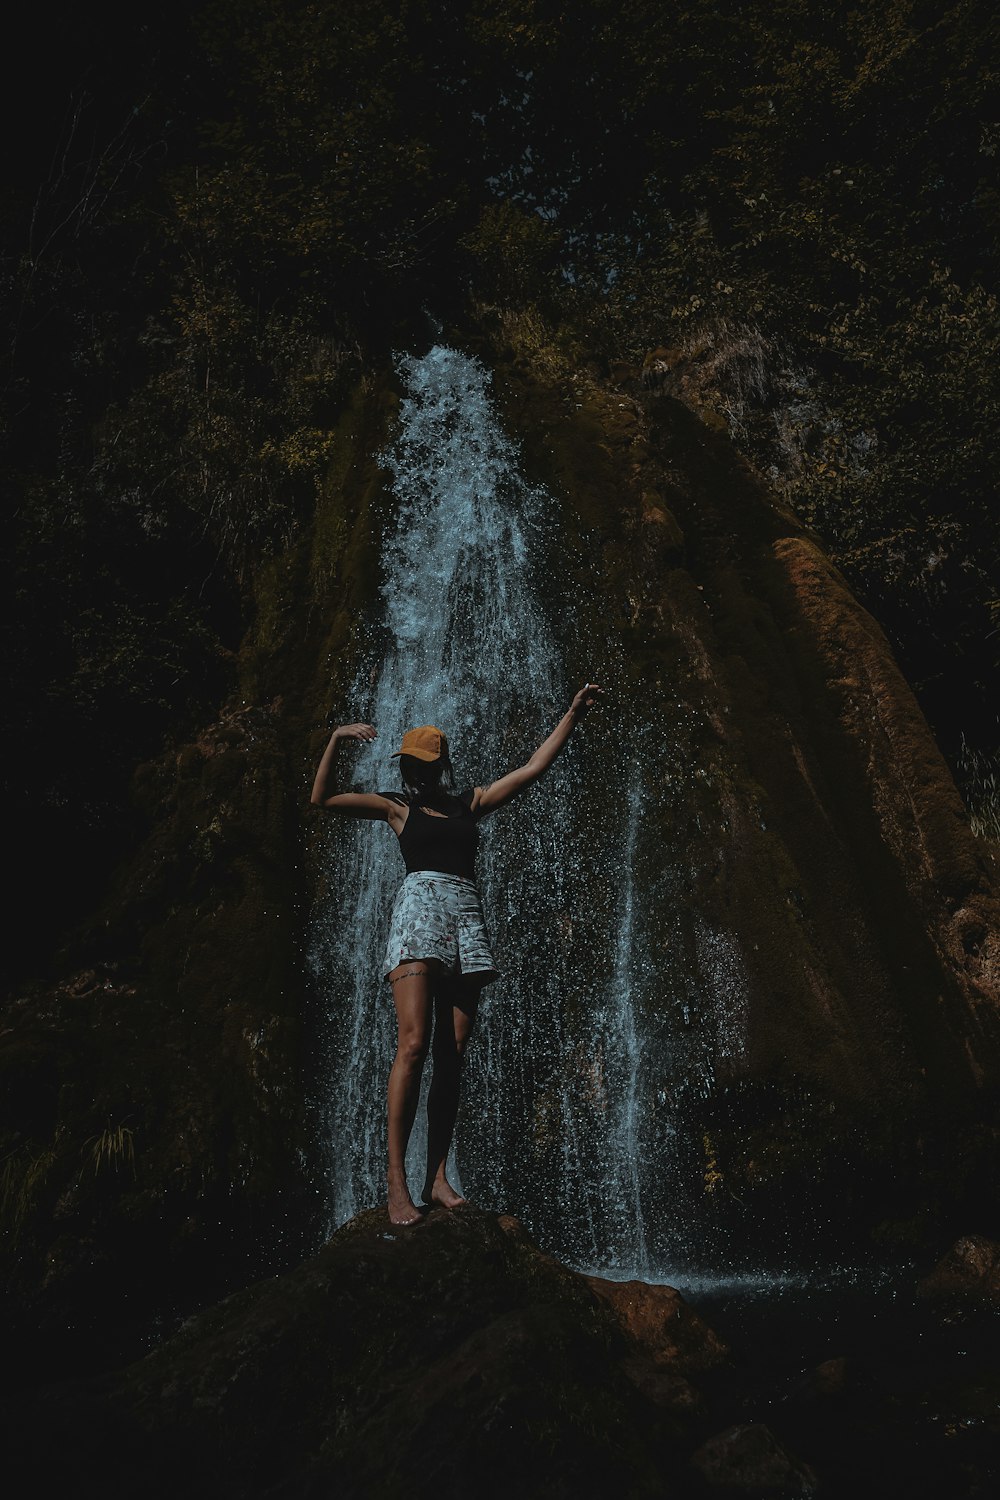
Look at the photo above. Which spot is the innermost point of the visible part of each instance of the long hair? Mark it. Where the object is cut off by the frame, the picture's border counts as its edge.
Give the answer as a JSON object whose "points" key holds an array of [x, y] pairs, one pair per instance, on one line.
{"points": [[422, 778]]}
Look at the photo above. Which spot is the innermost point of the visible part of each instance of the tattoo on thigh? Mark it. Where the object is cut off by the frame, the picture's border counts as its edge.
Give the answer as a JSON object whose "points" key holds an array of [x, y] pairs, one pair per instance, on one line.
{"points": [[406, 974]]}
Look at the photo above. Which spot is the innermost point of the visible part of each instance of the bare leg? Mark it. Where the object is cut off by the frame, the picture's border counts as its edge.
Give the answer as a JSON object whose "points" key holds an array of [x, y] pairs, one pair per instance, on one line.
{"points": [[455, 1004], [411, 992]]}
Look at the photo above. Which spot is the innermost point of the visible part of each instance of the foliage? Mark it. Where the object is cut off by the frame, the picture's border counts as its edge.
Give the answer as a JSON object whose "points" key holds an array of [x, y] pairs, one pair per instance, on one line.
{"points": [[114, 1145], [800, 200], [22, 1178], [824, 256]]}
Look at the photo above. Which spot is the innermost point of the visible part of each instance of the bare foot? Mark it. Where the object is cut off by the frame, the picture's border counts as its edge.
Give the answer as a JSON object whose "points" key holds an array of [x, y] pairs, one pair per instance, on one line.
{"points": [[441, 1193], [402, 1209]]}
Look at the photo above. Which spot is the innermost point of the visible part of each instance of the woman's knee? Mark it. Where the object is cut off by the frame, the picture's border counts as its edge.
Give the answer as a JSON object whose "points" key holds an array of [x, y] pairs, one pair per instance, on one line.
{"points": [[412, 1047]]}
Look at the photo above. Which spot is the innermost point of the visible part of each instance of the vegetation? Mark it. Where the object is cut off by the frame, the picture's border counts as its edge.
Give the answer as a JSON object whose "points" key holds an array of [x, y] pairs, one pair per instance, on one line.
{"points": [[253, 201], [22, 1178], [114, 1145]]}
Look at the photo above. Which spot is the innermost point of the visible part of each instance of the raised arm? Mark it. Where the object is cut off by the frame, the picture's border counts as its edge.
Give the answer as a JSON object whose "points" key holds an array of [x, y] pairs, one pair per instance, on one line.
{"points": [[508, 786], [355, 804]]}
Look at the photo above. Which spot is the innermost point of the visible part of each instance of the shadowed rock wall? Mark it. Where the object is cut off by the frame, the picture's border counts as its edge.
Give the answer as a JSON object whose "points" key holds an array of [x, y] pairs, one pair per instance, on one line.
{"points": [[821, 823], [154, 1116]]}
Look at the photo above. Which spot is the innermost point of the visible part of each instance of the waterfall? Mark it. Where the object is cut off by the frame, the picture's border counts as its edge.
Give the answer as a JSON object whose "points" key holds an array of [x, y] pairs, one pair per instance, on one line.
{"points": [[576, 1079]]}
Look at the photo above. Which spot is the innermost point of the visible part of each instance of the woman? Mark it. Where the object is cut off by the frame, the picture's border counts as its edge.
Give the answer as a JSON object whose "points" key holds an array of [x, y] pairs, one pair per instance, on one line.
{"points": [[438, 955]]}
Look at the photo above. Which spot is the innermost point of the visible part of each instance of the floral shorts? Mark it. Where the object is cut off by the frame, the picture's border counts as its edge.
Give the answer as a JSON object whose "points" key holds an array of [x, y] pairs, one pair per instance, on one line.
{"points": [[439, 916]]}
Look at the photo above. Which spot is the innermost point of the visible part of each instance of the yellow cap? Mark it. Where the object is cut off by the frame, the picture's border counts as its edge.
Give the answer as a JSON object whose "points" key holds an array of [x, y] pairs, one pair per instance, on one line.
{"points": [[425, 743]]}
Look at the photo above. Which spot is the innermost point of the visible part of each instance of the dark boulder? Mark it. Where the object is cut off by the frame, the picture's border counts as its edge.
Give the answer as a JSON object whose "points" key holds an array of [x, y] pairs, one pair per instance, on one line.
{"points": [[449, 1358], [968, 1273], [750, 1460]]}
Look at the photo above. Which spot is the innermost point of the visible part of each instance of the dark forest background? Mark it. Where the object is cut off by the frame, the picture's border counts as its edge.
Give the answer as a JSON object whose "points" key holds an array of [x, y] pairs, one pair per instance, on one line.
{"points": [[217, 216]]}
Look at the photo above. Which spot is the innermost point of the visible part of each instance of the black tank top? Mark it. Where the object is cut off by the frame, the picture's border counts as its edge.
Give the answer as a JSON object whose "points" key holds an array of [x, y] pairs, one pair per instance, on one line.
{"points": [[447, 844]]}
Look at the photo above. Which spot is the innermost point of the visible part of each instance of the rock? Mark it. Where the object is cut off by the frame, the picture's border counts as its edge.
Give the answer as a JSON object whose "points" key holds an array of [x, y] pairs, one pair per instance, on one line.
{"points": [[661, 534], [970, 1272], [658, 365], [450, 1358], [670, 1341], [661, 1324], [831, 1377], [750, 1460]]}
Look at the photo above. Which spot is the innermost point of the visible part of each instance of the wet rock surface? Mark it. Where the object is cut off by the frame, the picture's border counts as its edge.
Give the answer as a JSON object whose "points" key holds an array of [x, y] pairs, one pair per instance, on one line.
{"points": [[456, 1358], [749, 1460], [820, 824], [451, 1358], [967, 1276]]}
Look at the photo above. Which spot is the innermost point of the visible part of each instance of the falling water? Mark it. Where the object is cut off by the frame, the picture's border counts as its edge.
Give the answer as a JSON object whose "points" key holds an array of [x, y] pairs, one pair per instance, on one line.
{"points": [[619, 1041], [468, 647], [584, 1057]]}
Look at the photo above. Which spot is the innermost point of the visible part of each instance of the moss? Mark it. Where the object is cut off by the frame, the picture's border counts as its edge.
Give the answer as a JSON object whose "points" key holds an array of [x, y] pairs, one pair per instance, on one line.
{"points": [[310, 596]]}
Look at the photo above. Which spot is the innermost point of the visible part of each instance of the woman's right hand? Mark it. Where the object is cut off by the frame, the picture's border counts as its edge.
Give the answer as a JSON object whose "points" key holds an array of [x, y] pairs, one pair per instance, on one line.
{"points": [[364, 732], [322, 792]]}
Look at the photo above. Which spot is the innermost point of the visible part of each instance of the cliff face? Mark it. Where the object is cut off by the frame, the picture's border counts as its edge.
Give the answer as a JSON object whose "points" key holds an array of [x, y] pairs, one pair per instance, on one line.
{"points": [[843, 849], [159, 1108], [154, 1099], [819, 820]]}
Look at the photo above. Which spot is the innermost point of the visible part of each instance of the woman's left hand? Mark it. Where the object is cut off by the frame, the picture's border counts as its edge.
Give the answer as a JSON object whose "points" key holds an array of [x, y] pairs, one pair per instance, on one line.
{"points": [[585, 699]]}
